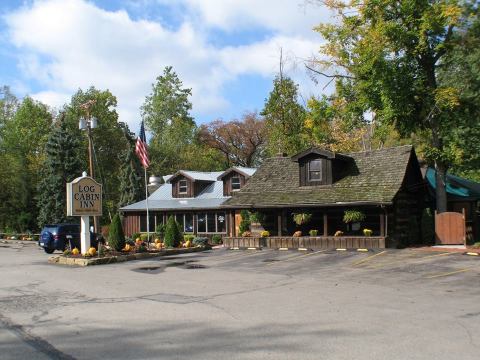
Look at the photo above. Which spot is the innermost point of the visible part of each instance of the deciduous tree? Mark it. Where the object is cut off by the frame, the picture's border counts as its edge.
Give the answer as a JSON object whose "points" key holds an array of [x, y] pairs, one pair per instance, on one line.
{"points": [[241, 142], [388, 55]]}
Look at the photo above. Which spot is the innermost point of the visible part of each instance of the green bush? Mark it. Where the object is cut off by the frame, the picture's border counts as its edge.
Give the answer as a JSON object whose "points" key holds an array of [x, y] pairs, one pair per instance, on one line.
{"points": [[313, 232], [245, 223], [135, 236], [160, 230], [173, 236], [116, 237], [202, 241], [188, 237], [216, 239], [130, 242]]}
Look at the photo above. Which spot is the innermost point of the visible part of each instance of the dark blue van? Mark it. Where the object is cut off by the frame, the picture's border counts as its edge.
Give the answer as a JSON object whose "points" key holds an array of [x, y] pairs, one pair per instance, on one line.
{"points": [[61, 237]]}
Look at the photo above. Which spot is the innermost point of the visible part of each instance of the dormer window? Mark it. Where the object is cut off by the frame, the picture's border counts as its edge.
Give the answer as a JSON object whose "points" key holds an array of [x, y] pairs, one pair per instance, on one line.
{"points": [[182, 187], [235, 183], [315, 170]]}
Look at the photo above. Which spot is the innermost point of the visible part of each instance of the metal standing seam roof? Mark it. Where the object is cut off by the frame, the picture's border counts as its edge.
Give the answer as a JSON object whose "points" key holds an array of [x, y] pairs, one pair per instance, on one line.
{"points": [[161, 199]]}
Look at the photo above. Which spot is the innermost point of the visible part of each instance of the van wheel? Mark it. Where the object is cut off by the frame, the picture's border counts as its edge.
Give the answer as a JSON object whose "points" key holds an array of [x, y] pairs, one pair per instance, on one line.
{"points": [[48, 250]]}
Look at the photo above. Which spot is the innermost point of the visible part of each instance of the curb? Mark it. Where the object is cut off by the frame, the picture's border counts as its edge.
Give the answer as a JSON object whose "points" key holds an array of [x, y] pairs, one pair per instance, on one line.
{"points": [[63, 260], [472, 253]]}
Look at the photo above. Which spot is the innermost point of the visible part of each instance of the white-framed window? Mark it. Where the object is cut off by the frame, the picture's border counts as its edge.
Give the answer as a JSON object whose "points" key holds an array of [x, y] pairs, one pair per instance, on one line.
{"points": [[211, 223], [315, 170], [235, 183], [185, 221], [182, 187]]}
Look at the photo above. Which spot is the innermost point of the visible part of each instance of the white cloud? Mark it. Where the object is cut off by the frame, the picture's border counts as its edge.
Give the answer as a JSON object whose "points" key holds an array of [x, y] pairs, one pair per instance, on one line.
{"points": [[69, 44]]}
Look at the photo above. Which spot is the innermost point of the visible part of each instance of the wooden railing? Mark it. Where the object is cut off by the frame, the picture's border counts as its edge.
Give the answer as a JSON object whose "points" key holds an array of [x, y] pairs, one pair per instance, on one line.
{"points": [[309, 242]]}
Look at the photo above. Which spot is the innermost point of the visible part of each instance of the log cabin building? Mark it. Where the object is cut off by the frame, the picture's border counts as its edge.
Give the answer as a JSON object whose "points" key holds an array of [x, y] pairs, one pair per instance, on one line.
{"points": [[194, 198], [385, 185]]}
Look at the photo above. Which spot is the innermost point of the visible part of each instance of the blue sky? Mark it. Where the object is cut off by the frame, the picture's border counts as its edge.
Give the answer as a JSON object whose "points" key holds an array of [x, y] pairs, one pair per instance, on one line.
{"points": [[227, 51]]}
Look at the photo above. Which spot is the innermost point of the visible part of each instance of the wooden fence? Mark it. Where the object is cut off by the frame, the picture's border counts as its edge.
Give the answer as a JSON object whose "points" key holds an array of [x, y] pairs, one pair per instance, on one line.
{"points": [[309, 242], [450, 228]]}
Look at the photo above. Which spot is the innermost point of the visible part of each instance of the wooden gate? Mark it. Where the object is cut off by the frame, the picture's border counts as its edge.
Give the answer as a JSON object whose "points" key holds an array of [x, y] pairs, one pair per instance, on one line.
{"points": [[450, 228]]}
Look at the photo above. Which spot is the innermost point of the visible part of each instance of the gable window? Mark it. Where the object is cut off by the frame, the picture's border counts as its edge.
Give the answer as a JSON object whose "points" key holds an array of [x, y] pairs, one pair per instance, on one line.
{"points": [[235, 183], [182, 187], [315, 170]]}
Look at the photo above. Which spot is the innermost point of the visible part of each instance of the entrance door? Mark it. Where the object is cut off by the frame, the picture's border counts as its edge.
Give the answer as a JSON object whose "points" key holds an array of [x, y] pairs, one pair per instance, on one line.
{"points": [[450, 228]]}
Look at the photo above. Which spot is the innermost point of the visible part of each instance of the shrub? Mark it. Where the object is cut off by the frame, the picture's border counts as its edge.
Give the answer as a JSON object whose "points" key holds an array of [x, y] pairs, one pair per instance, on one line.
{"points": [[201, 241], [144, 237], [367, 232], [265, 233], [216, 239], [245, 223], [130, 242], [160, 230], [297, 234], [313, 232], [246, 234], [116, 238], [172, 234], [188, 237], [476, 245]]}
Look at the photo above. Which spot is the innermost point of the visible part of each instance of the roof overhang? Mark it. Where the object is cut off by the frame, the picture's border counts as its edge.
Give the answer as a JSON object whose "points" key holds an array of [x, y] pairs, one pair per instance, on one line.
{"points": [[185, 174], [322, 152], [230, 170], [307, 205]]}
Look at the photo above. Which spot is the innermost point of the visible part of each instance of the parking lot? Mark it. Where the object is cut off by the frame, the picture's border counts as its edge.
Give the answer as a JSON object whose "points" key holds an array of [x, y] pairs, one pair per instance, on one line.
{"points": [[242, 304]]}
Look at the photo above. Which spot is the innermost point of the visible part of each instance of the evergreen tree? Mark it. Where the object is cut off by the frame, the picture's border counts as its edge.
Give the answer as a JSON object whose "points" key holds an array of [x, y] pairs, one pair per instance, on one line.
{"points": [[173, 236], [284, 118], [116, 237], [131, 189], [61, 165]]}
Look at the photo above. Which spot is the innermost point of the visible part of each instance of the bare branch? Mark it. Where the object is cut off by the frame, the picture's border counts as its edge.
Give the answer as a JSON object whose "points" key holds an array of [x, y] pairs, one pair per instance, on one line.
{"points": [[337, 76]]}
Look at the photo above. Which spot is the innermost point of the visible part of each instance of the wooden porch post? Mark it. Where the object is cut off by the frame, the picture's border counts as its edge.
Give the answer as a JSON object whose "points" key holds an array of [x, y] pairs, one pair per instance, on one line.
{"points": [[382, 223], [325, 224], [279, 223]]}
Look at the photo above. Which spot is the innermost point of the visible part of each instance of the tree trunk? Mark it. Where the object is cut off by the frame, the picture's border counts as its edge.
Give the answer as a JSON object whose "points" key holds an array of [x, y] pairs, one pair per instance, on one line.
{"points": [[440, 172], [441, 188]]}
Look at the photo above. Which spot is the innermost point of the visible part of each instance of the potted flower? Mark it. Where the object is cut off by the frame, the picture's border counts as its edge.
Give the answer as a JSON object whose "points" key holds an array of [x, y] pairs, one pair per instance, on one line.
{"points": [[301, 218], [353, 218]]}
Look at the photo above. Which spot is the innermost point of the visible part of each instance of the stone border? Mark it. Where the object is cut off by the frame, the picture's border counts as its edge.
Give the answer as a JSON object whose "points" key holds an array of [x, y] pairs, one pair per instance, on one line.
{"points": [[64, 260]]}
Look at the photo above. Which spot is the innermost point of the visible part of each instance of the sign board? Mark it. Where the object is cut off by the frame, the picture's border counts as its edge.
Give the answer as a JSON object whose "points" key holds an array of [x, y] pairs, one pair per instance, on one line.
{"points": [[84, 197]]}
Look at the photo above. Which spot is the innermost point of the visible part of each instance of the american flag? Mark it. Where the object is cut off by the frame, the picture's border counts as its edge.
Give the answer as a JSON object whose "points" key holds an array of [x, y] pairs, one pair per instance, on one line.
{"points": [[141, 147]]}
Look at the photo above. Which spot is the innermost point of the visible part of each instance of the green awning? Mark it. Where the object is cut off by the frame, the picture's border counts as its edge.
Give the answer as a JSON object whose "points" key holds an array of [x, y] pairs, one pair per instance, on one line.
{"points": [[456, 186]]}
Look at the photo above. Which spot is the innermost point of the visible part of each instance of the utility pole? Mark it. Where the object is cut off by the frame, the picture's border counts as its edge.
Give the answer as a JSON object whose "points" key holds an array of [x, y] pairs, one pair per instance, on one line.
{"points": [[88, 123]]}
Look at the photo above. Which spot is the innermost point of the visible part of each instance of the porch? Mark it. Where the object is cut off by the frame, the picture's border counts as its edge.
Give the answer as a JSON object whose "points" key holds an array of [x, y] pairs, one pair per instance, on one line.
{"points": [[308, 242]]}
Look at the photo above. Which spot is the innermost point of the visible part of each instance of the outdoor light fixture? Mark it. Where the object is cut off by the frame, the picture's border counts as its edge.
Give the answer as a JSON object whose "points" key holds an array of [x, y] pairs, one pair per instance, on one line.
{"points": [[86, 123]]}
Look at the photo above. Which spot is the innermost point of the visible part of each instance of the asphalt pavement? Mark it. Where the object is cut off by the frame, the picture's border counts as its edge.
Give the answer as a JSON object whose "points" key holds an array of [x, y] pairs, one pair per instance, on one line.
{"points": [[242, 304]]}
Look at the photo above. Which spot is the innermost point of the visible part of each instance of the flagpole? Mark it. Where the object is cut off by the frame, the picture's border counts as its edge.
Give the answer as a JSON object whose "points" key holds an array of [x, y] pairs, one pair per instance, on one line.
{"points": [[148, 215]]}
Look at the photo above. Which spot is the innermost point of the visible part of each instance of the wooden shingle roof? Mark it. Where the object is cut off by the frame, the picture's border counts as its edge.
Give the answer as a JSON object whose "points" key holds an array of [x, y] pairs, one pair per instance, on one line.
{"points": [[372, 177]]}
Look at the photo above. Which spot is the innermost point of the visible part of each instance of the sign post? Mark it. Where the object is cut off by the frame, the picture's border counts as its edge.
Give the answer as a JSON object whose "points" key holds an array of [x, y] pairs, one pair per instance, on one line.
{"points": [[84, 199]]}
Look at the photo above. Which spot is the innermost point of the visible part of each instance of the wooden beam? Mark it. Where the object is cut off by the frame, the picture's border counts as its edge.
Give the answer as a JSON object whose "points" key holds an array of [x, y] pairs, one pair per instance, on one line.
{"points": [[325, 224], [382, 223], [279, 224]]}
